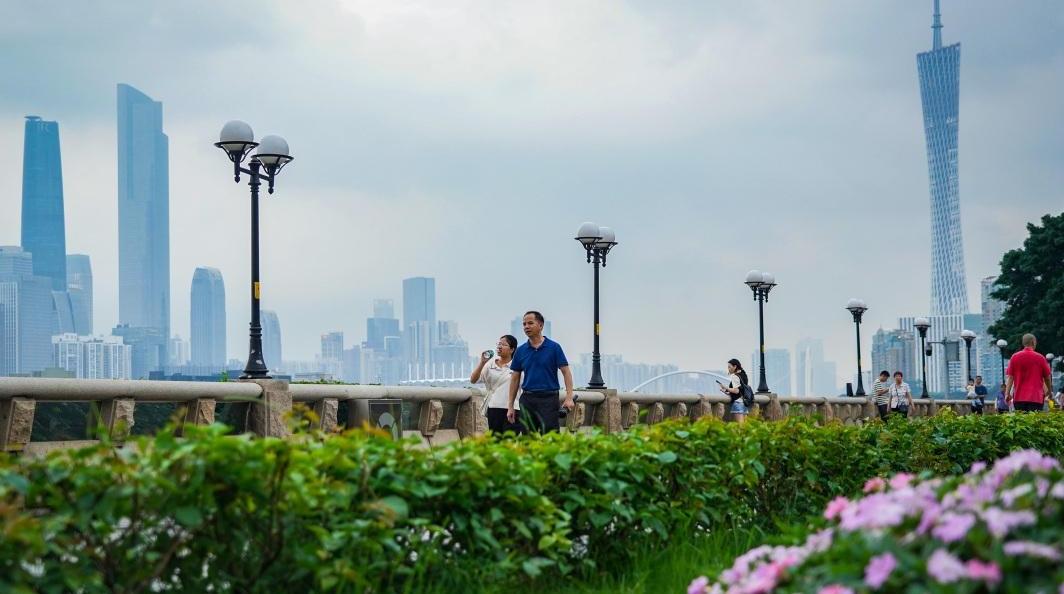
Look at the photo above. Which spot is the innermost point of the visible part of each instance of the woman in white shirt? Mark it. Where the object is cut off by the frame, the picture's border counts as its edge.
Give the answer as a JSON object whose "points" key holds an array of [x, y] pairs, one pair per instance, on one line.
{"points": [[736, 379], [901, 397], [494, 373]]}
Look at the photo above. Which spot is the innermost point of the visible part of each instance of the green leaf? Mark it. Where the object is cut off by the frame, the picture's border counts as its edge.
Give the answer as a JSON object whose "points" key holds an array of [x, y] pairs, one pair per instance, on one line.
{"points": [[397, 504], [667, 457], [564, 461], [188, 516]]}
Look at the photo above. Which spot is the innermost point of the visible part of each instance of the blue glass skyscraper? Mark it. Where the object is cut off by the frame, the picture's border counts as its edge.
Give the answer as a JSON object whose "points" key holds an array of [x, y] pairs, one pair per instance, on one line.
{"points": [[43, 231], [939, 71], [208, 318], [143, 213]]}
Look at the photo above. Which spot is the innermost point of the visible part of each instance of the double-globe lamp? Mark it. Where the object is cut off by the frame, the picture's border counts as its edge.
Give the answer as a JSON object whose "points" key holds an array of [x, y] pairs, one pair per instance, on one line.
{"points": [[761, 283], [921, 325], [597, 242], [857, 307], [238, 140]]}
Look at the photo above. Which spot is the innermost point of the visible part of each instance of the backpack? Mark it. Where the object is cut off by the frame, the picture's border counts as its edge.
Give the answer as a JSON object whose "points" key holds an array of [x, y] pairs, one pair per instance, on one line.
{"points": [[747, 394]]}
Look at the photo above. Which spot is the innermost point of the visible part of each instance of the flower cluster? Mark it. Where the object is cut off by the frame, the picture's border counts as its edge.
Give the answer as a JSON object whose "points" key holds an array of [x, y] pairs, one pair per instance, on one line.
{"points": [[993, 529]]}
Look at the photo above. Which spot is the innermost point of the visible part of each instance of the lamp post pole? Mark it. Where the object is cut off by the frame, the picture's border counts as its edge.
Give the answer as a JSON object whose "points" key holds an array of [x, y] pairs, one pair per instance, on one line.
{"points": [[237, 140], [921, 326], [1002, 344], [761, 283], [858, 307], [968, 337], [597, 242]]}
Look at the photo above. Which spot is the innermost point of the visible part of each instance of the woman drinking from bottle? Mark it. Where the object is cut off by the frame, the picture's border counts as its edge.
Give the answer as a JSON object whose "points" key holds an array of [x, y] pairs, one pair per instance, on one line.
{"points": [[494, 372]]}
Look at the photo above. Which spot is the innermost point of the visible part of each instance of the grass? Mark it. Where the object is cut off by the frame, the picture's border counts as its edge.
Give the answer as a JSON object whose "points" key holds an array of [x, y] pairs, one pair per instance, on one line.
{"points": [[654, 571]]}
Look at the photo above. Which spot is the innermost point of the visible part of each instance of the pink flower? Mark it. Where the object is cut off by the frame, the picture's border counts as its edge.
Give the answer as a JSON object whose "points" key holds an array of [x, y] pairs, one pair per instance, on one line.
{"points": [[1009, 497], [834, 589], [835, 507], [977, 467], [1032, 549], [901, 480], [698, 585], [1001, 522], [988, 572], [931, 513], [953, 527], [945, 568], [878, 570], [874, 484]]}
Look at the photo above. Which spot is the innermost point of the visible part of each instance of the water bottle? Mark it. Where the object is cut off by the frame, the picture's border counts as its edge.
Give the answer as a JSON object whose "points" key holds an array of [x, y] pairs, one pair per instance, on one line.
{"points": [[488, 354]]}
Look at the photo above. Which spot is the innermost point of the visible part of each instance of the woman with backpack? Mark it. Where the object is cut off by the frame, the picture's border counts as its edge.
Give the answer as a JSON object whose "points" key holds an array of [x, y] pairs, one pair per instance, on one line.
{"points": [[736, 380]]}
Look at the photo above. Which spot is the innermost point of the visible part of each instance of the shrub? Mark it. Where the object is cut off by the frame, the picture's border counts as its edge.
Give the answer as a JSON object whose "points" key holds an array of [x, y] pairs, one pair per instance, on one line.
{"points": [[997, 529], [358, 512]]}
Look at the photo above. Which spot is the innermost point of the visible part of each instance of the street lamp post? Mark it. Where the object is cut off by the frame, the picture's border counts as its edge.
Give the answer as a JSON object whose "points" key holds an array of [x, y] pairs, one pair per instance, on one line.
{"points": [[597, 242], [922, 325], [761, 283], [1001, 345], [237, 140], [968, 337], [857, 307]]}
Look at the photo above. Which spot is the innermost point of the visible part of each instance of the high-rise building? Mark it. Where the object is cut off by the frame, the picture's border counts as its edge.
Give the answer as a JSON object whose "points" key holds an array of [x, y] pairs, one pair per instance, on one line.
{"points": [[178, 352], [271, 340], [63, 320], [777, 370], [990, 358], [895, 350], [148, 348], [352, 365], [382, 325], [945, 365], [143, 214], [93, 358], [30, 316], [43, 230], [208, 318], [939, 71], [383, 308], [332, 354], [419, 324], [79, 285]]}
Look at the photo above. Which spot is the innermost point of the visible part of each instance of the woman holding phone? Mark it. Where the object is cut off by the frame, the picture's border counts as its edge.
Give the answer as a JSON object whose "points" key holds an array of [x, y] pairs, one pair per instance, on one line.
{"points": [[494, 372], [736, 379]]}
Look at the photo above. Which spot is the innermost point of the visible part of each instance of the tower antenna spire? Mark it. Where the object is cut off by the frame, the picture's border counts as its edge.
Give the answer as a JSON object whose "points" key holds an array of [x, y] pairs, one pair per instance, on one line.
{"points": [[936, 29]]}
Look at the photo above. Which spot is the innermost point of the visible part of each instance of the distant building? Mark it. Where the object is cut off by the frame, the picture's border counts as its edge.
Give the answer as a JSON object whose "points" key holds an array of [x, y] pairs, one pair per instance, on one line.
{"points": [[990, 358], [179, 352], [143, 217], [29, 314], [777, 371], [148, 349], [208, 318], [43, 227], [419, 324], [945, 365], [87, 357], [622, 375], [79, 285], [895, 350], [352, 365], [271, 340], [332, 353]]}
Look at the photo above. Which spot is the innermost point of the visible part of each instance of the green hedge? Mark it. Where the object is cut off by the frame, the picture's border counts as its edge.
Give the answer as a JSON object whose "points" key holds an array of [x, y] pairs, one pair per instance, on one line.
{"points": [[359, 513]]}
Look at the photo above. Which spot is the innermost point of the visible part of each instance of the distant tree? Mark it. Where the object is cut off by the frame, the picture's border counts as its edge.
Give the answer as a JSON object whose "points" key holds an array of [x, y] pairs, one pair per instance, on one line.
{"points": [[1031, 284]]}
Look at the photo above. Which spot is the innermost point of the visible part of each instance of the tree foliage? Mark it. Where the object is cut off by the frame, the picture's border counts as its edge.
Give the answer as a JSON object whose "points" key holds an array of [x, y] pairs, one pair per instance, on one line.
{"points": [[1031, 284]]}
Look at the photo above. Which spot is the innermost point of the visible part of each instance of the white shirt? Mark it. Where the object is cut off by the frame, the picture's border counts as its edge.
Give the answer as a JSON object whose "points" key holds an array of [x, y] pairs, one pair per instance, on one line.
{"points": [[734, 381], [898, 393], [496, 380]]}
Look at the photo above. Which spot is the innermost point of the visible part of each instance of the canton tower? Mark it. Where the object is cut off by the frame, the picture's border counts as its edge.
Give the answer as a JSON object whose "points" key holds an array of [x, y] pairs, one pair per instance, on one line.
{"points": [[939, 71]]}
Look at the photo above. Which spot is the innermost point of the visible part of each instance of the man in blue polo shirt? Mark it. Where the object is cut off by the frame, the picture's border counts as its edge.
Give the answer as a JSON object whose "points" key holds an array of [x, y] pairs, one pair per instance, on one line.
{"points": [[535, 369]]}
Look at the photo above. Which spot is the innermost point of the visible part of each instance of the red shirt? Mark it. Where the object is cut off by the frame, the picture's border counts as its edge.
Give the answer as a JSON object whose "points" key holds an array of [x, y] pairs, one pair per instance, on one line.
{"points": [[1028, 370]]}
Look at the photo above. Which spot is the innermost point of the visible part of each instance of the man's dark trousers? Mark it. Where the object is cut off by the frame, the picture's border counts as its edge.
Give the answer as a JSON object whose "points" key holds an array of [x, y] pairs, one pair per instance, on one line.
{"points": [[541, 409]]}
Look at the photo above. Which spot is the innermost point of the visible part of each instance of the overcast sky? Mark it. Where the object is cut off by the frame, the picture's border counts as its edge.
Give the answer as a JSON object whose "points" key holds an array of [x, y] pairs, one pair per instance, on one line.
{"points": [[467, 140]]}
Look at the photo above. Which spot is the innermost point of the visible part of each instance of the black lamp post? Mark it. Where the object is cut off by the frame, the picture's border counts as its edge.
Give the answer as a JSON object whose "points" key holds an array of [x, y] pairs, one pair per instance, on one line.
{"points": [[1002, 344], [857, 307], [597, 242], [922, 325], [968, 337], [237, 140], [761, 283]]}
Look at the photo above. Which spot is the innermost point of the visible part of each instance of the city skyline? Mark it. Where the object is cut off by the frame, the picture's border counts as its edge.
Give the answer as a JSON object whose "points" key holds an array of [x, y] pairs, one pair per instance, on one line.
{"points": [[419, 218]]}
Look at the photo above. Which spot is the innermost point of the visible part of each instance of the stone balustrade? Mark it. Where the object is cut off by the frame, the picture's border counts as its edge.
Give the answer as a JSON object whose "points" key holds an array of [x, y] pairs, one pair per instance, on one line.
{"points": [[434, 415]]}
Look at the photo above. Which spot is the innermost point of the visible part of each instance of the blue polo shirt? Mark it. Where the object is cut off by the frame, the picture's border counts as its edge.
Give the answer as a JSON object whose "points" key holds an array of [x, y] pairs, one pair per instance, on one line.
{"points": [[539, 367]]}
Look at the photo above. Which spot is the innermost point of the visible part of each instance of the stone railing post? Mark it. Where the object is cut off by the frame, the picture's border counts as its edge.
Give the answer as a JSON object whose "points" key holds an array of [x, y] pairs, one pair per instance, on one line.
{"points": [[470, 422], [197, 412], [608, 412], [773, 411], [16, 422], [268, 414], [116, 416], [575, 419], [429, 418], [701, 408], [655, 413], [678, 411], [827, 410], [629, 414], [327, 410]]}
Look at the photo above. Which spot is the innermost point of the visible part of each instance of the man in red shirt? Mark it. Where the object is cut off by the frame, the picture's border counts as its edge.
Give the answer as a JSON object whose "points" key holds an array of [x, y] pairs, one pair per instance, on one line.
{"points": [[1029, 377]]}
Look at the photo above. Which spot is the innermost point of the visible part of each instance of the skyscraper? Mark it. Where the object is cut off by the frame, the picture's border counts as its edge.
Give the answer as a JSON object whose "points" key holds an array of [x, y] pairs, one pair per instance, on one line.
{"points": [[895, 350], [208, 318], [419, 323], [777, 370], [79, 285], [143, 213], [30, 318], [939, 71], [332, 354], [271, 339], [43, 230], [989, 357], [382, 325]]}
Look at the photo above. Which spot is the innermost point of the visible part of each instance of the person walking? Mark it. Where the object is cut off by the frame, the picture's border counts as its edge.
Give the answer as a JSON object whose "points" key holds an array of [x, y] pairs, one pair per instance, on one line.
{"points": [[901, 396], [494, 373], [881, 394], [978, 395], [1028, 377], [535, 368], [736, 380], [1002, 403]]}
